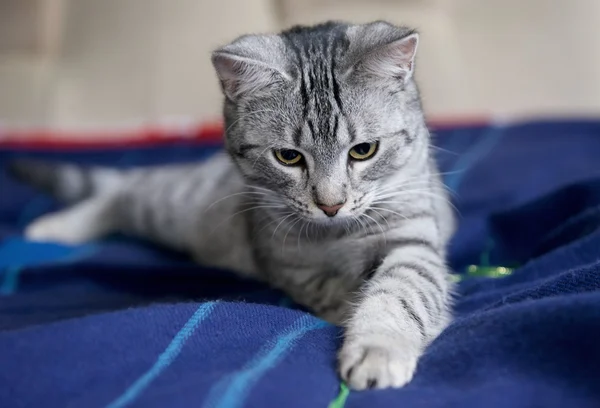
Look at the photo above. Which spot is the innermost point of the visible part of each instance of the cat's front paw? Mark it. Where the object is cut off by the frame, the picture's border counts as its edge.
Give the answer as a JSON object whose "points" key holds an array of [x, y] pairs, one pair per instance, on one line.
{"points": [[364, 364]]}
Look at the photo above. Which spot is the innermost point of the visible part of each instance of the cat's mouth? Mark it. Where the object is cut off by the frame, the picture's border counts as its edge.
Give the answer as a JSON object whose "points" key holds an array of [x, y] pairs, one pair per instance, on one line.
{"points": [[341, 217], [330, 216]]}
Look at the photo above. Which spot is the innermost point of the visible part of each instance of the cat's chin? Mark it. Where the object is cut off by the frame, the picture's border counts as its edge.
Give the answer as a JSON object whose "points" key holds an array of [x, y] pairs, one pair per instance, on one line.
{"points": [[336, 221]]}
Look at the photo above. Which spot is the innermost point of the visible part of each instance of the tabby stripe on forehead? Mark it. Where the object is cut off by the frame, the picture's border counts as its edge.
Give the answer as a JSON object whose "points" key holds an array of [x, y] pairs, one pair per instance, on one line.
{"points": [[311, 127], [297, 136], [313, 72], [351, 130], [335, 126], [303, 90], [335, 86], [307, 73]]}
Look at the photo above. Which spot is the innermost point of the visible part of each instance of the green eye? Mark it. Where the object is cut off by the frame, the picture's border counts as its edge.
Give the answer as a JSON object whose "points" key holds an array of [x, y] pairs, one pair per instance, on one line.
{"points": [[363, 151], [288, 157]]}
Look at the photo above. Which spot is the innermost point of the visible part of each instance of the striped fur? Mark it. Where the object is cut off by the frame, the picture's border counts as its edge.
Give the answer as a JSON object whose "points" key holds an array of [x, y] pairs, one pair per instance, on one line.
{"points": [[377, 267]]}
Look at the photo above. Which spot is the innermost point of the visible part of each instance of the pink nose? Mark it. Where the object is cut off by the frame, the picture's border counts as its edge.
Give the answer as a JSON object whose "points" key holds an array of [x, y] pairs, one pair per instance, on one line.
{"points": [[330, 210]]}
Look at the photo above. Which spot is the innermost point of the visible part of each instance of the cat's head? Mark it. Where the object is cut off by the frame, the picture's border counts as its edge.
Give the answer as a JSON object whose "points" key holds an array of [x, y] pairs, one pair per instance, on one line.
{"points": [[326, 117]]}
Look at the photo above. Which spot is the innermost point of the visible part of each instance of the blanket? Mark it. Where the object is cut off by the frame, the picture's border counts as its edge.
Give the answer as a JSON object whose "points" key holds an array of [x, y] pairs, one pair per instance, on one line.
{"points": [[123, 323]]}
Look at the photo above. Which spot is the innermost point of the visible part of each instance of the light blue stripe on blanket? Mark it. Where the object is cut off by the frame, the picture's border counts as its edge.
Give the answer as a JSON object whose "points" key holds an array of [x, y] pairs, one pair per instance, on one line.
{"points": [[165, 359], [232, 390]]}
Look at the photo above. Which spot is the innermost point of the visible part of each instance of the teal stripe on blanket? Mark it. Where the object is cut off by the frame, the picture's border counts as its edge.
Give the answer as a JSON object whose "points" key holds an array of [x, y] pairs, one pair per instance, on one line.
{"points": [[19, 252], [232, 390], [472, 156], [16, 254]]}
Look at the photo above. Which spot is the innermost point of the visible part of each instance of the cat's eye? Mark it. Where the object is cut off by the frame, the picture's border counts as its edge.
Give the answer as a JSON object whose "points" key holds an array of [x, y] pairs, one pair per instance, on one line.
{"points": [[363, 151], [288, 157]]}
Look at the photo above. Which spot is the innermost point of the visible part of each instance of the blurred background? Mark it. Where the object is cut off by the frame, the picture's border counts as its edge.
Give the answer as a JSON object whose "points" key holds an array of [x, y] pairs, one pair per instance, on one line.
{"points": [[86, 63]]}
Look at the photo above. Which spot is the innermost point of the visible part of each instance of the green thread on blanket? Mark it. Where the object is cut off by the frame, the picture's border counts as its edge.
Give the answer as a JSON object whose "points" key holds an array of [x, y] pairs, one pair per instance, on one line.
{"points": [[484, 259], [340, 400], [488, 271], [484, 269]]}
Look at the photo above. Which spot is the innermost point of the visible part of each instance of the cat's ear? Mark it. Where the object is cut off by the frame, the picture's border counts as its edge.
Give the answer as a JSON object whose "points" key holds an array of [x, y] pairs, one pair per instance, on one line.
{"points": [[384, 51], [250, 65]]}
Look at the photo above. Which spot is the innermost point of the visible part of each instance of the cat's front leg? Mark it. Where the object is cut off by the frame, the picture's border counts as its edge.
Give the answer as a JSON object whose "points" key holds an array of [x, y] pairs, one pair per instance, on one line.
{"points": [[402, 308], [327, 295]]}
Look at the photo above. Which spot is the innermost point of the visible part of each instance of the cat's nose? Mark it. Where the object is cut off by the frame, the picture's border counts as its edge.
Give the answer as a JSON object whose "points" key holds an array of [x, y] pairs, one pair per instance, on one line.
{"points": [[331, 210]]}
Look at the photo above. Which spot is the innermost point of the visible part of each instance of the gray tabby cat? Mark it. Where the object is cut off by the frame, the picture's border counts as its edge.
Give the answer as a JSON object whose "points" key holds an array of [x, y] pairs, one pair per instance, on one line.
{"points": [[328, 191]]}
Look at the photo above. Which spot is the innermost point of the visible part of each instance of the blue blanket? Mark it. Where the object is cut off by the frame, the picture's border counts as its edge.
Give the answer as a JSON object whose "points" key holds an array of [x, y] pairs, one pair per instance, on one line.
{"points": [[122, 323]]}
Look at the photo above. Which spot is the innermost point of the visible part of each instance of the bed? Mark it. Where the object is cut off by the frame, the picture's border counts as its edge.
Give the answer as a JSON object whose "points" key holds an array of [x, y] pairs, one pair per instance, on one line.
{"points": [[123, 323]]}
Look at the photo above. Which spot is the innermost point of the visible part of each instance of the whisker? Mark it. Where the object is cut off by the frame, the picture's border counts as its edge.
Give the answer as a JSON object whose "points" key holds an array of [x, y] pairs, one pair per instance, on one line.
{"points": [[359, 226], [441, 149], [382, 216], [426, 192], [375, 221], [278, 225], [422, 193], [272, 222], [263, 201], [240, 212], [306, 232], [260, 188], [300, 233], [287, 233], [390, 211], [360, 223], [347, 227], [425, 179], [409, 191], [230, 196], [403, 186]]}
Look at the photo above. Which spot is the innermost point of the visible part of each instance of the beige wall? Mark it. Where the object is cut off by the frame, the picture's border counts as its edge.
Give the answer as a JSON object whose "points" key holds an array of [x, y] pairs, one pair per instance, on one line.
{"points": [[123, 61], [109, 62]]}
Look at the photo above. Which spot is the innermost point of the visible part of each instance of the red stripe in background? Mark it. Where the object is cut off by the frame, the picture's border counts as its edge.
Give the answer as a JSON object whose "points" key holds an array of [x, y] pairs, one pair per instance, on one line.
{"points": [[206, 133], [441, 123]]}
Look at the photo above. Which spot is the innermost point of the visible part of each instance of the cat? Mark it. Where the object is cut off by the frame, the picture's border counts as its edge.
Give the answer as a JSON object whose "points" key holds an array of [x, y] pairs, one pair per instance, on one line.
{"points": [[326, 188]]}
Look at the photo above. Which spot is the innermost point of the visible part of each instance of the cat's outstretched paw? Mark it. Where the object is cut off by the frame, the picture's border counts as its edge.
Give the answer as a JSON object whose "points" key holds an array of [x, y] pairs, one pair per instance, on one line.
{"points": [[83, 222], [53, 228], [375, 365]]}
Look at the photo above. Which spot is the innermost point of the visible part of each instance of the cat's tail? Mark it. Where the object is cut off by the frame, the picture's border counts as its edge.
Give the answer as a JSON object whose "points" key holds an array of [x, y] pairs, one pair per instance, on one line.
{"points": [[66, 182]]}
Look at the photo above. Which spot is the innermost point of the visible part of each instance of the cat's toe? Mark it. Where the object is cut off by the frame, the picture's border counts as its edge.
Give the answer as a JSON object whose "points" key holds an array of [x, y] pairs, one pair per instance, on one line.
{"points": [[364, 366]]}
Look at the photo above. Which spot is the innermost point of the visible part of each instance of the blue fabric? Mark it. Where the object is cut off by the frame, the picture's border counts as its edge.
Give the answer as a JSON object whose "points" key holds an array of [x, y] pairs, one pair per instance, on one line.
{"points": [[122, 323]]}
